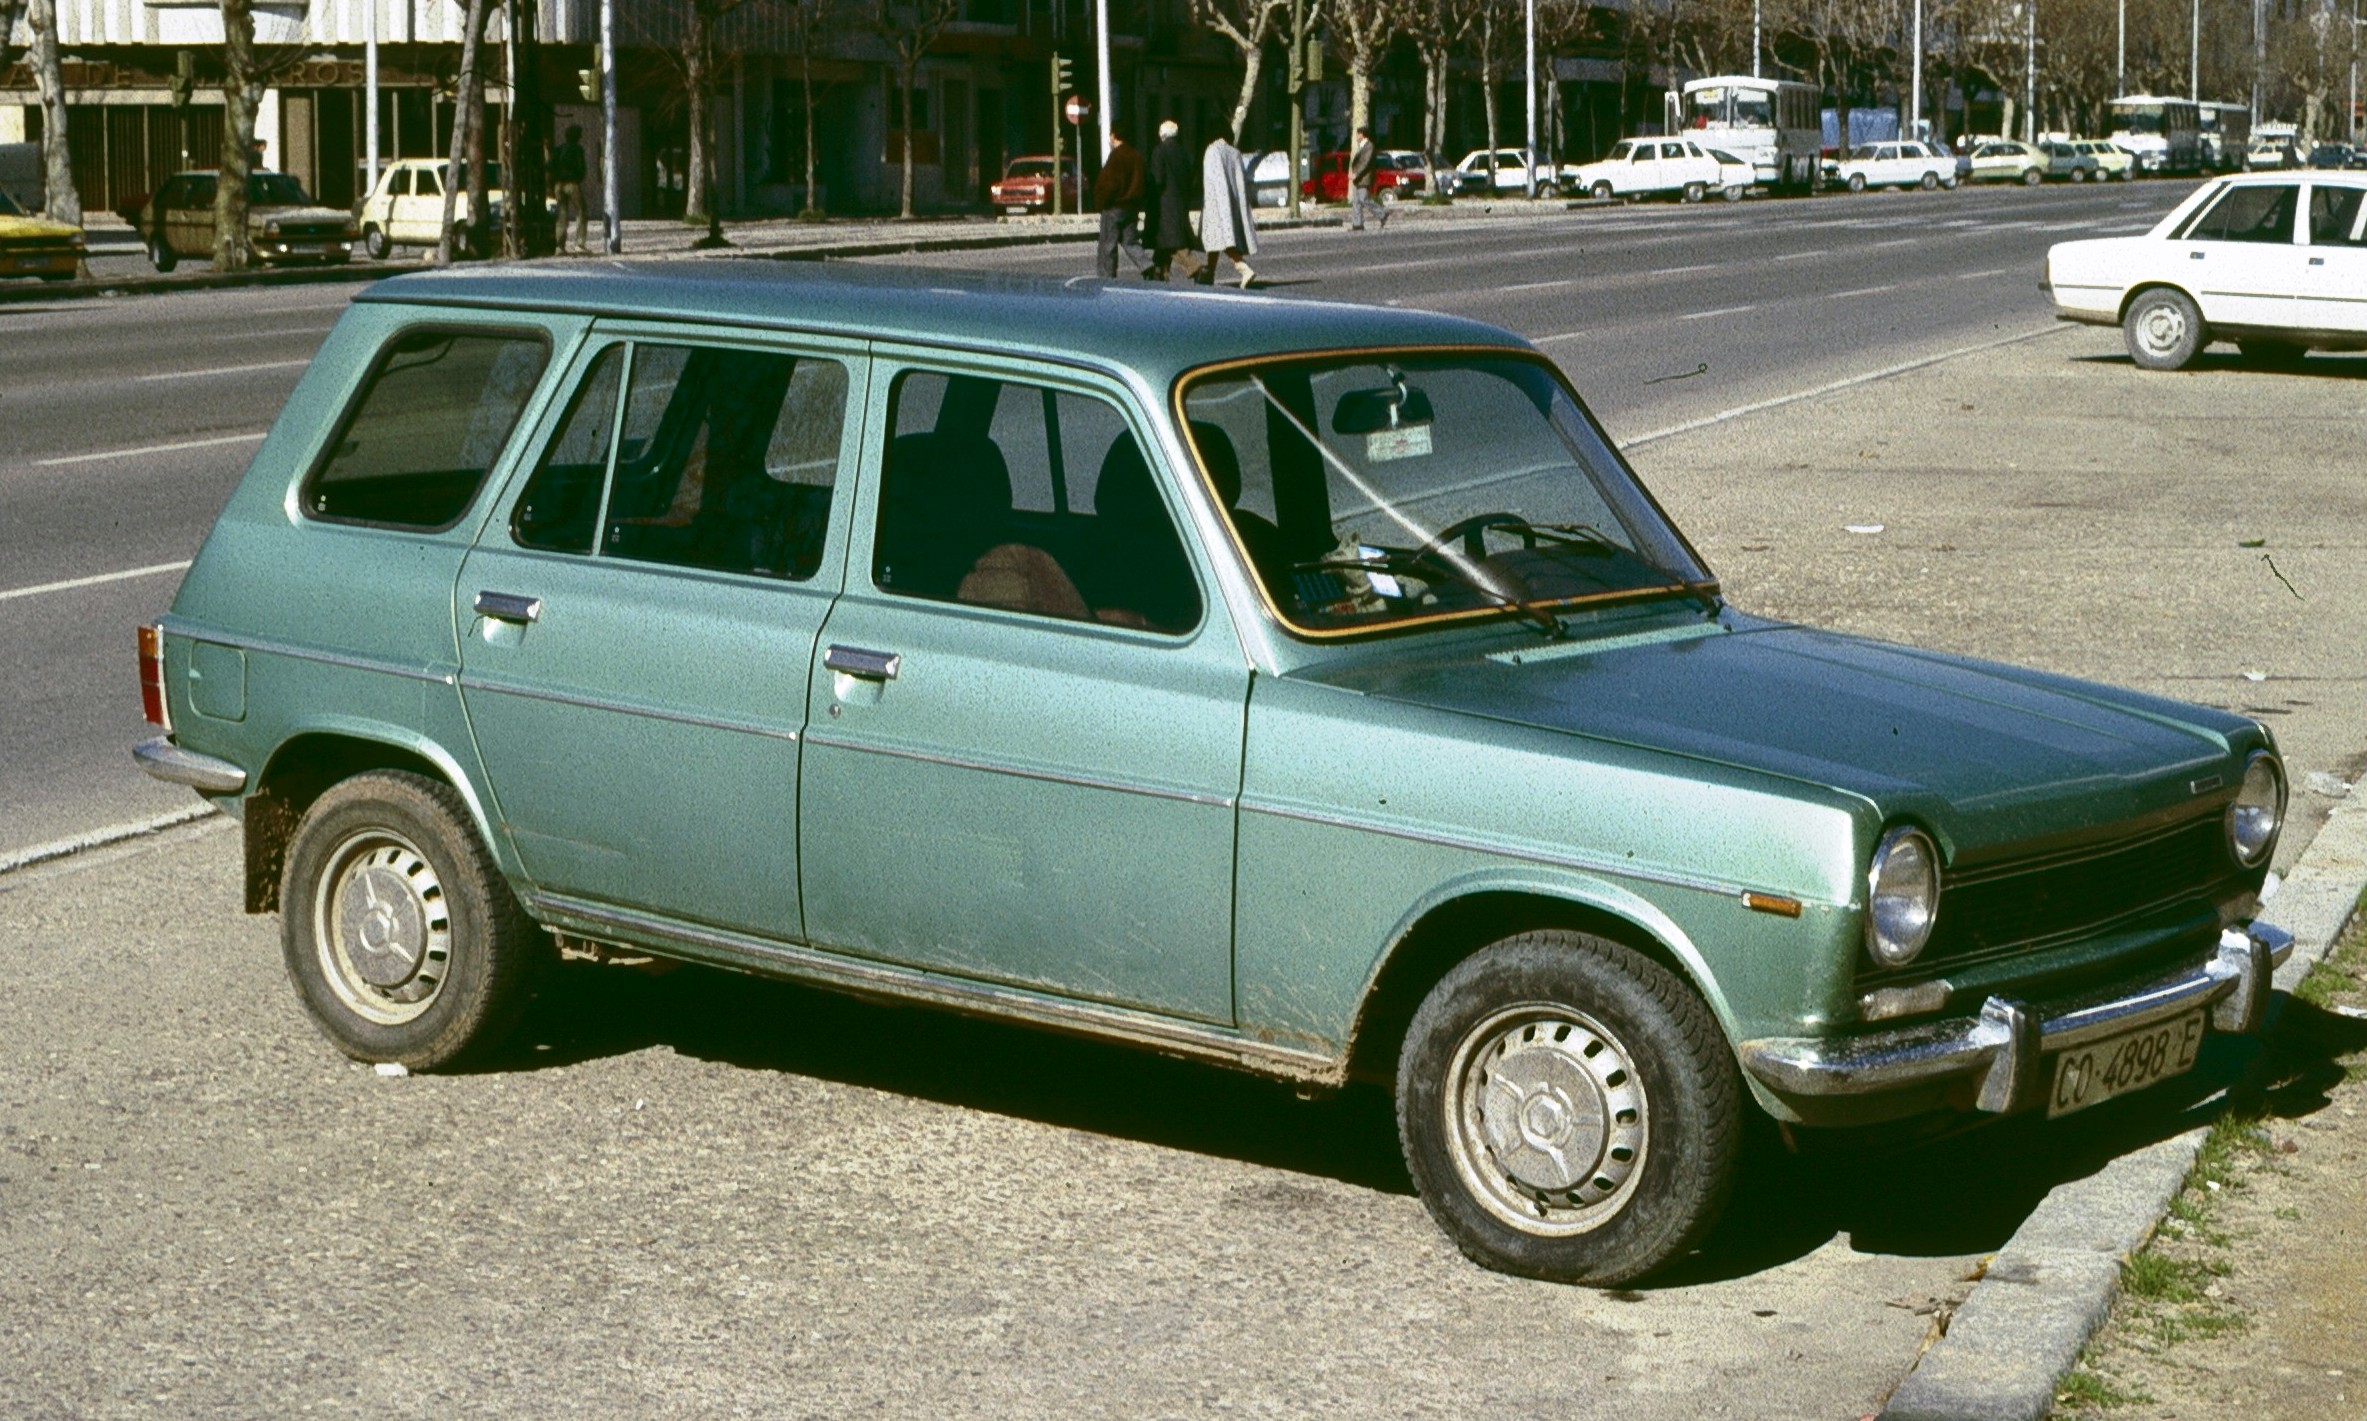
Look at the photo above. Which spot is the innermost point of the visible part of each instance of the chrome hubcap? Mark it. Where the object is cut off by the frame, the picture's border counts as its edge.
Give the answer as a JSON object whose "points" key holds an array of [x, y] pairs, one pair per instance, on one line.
{"points": [[383, 929], [2162, 327], [1546, 1119]]}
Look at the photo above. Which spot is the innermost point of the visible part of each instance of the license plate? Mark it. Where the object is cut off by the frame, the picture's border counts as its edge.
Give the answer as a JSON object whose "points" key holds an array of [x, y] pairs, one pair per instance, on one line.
{"points": [[1020, 211], [2117, 1065]]}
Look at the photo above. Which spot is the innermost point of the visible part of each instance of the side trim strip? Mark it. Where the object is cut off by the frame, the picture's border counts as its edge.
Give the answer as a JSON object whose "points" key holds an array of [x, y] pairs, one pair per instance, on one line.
{"points": [[536, 693], [1449, 841], [904, 984], [1218, 801], [175, 626]]}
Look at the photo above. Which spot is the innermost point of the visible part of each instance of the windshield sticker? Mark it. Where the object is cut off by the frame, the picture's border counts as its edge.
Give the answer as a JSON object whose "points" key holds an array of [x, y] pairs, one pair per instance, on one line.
{"points": [[1411, 441]]}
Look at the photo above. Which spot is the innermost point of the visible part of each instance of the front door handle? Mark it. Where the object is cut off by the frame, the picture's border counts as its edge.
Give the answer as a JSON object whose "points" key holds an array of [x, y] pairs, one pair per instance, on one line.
{"points": [[870, 665], [508, 607]]}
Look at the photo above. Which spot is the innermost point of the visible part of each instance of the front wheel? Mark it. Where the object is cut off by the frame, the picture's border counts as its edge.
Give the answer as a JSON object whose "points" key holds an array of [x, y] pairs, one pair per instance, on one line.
{"points": [[1857, 182], [2164, 330], [1930, 181], [1548, 191], [1569, 1109], [399, 932], [2079, 175]]}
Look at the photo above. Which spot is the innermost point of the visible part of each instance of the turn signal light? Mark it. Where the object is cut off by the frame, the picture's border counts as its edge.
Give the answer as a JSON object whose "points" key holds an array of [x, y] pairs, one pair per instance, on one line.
{"points": [[152, 678]]}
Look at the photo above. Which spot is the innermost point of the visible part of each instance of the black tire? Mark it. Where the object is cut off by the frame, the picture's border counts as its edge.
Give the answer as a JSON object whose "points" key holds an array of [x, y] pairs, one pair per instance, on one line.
{"points": [[2032, 177], [161, 254], [1857, 182], [1601, 192], [2164, 329], [400, 934], [1930, 181], [2273, 354], [1695, 192], [374, 243], [1548, 191], [1626, 1074]]}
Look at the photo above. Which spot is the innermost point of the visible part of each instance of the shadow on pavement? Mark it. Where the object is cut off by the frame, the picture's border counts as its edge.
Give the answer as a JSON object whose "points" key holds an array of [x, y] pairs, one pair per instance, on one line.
{"points": [[2329, 365], [1962, 1194]]}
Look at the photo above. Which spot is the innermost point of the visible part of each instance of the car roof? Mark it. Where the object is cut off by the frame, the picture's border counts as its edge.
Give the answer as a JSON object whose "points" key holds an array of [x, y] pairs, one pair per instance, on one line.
{"points": [[2290, 175], [1161, 333]]}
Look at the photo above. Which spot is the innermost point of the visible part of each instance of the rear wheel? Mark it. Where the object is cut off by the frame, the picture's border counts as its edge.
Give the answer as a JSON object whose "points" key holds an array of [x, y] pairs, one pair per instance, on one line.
{"points": [[161, 254], [1735, 192], [1569, 1109], [1548, 191], [1601, 192], [2164, 329], [375, 243], [1695, 192], [1930, 181], [399, 932], [2031, 177], [2079, 175]]}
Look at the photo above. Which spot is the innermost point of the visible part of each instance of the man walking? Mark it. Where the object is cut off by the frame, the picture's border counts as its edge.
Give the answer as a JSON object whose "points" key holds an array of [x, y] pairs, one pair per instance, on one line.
{"points": [[567, 187], [1360, 183], [1117, 194], [1225, 222], [1169, 208]]}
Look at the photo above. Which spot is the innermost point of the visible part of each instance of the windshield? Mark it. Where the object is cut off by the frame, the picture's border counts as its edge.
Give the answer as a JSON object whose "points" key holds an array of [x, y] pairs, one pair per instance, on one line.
{"points": [[1374, 491], [8, 207], [275, 190], [1031, 168], [2138, 120]]}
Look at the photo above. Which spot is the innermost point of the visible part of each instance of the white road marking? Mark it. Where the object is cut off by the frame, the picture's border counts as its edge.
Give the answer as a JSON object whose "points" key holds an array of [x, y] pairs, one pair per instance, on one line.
{"points": [[1899, 242], [1721, 311], [1683, 270], [1863, 291], [1993, 271], [1802, 256], [227, 370], [1537, 285], [1830, 387], [38, 588], [100, 838], [147, 449]]}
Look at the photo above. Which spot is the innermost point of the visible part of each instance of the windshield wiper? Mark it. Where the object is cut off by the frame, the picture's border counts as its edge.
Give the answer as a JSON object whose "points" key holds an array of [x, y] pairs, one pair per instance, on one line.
{"points": [[1598, 543], [1390, 561]]}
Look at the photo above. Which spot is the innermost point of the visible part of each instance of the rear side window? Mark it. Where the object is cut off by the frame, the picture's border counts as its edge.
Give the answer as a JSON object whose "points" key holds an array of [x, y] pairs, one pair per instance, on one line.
{"points": [[2248, 214], [2334, 216], [437, 410]]}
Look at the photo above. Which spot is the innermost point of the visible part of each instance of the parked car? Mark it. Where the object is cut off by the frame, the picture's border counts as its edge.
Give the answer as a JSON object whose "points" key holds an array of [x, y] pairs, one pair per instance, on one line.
{"points": [[283, 224], [1645, 167], [36, 246], [1736, 175], [2067, 160], [1026, 186], [2330, 155], [1902, 164], [2009, 160], [406, 208], [1269, 176], [2112, 160], [1306, 688], [2267, 154], [1391, 183], [2275, 262], [1511, 174]]}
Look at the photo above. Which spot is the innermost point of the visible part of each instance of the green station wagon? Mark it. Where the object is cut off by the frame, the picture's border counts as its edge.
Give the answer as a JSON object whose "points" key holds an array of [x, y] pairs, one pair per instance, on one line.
{"points": [[1303, 687]]}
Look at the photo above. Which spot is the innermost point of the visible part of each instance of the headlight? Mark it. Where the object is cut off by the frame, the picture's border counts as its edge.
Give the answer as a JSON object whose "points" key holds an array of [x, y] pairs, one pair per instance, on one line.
{"points": [[271, 228], [1902, 896], [2258, 811]]}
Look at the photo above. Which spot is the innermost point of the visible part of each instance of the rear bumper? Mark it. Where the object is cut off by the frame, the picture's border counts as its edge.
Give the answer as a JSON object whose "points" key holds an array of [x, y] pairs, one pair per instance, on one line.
{"points": [[2000, 1048], [204, 773]]}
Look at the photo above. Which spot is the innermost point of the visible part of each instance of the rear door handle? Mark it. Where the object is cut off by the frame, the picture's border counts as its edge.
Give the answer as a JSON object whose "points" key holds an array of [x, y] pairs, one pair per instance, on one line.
{"points": [[2317, 261], [870, 665], [509, 607]]}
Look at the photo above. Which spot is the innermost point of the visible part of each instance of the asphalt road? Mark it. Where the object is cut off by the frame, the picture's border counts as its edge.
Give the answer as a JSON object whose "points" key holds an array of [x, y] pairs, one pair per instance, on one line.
{"points": [[124, 423]]}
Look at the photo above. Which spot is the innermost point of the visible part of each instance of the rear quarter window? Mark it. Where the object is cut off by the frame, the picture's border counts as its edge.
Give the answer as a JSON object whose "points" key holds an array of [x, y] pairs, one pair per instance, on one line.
{"points": [[430, 423]]}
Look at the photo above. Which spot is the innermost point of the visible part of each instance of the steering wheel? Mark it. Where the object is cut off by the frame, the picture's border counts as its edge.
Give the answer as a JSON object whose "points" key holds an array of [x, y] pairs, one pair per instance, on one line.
{"points": [[1473, 531]]}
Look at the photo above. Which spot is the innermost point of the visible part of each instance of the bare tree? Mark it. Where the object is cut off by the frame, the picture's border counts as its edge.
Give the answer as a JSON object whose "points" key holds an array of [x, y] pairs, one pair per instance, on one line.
{"points": [[1495, 37], [242, 95], [1361, 30], [1437, 28], [10, 11], [1249, 25], [812, 25], [58, 197], [908, 28], [702, 19], [468, 143]]}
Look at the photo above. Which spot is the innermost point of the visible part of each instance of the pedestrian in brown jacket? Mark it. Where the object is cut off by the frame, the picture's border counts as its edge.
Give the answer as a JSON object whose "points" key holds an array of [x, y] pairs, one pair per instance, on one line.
{"points": [[1117, 194]]}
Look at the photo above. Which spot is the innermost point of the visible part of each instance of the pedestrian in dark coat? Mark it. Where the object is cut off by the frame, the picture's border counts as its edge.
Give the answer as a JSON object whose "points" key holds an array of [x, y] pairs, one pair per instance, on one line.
{"points": [[1171, 199], [1117, 195]]}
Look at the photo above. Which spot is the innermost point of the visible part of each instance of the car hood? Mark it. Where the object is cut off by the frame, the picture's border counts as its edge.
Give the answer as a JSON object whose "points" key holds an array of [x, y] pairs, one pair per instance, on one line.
{"points": [[38, 229], [298, 213], [1984, 754]]}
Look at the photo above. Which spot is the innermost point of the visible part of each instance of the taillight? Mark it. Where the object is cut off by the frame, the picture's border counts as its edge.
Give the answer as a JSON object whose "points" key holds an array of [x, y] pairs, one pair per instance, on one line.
{"points": [[152, 706]]}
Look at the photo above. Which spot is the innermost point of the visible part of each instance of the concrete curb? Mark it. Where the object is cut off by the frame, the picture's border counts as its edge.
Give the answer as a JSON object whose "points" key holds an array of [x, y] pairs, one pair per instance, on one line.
{"points": [[100, 838], [2021, 1329]]}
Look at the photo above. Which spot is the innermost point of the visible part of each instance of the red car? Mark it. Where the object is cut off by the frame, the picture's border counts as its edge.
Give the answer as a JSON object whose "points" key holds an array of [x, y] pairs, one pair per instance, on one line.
{"points": [[1395, 176], [1026, 185]]}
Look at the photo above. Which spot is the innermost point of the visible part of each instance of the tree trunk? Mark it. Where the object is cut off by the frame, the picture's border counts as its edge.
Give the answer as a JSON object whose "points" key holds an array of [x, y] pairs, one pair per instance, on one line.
{"points": [[1360, 92], [1253, 63], [467, 113], [806, 77], [9, 10], [59, 200], [908, 75], [240, 98], [697, 63], [1433, 112]]}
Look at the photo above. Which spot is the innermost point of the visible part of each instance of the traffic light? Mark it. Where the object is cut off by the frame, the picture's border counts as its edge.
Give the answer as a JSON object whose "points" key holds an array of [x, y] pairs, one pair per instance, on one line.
{"points": [[1062, 77], [588, 80], [1314, 58], [184, 79]]}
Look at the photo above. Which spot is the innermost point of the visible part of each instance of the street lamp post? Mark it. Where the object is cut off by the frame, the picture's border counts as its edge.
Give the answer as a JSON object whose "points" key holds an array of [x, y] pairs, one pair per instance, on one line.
{"points": [[2030, 72], [370, 90], [1755, 38], [1101, 62], [2194, 56], [614, 228], [1529, 168], [2120, 61], [1915, 83]]}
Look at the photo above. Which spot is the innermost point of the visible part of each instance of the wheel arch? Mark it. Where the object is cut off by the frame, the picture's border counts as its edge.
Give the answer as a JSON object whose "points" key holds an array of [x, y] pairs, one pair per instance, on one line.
{"points": [[2129, 297], [1459, 918], [306, 764]]}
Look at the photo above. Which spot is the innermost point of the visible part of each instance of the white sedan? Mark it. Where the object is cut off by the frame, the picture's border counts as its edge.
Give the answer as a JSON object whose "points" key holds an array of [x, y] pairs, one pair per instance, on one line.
{"points": [[2276, 262], [1638, 167], [1900, 165]]}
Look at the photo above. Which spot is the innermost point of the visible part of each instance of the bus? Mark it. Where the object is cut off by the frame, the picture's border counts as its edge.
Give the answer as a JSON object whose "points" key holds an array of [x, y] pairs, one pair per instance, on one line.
{"points": [[1770, 124], [2227, 133], [2165, 135]]}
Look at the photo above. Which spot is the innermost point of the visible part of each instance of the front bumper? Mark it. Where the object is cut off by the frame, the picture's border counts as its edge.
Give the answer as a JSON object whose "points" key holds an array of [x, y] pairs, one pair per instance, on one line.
{"points": [[1999, 1050]]}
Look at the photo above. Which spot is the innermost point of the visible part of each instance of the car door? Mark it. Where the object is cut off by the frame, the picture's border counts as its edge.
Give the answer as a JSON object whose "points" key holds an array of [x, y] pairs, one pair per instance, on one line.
{"points": [[1027, 724], [2334, 271], [419, 211], [2241, 260], [1641, 172], [190, 223], [637, 622]]}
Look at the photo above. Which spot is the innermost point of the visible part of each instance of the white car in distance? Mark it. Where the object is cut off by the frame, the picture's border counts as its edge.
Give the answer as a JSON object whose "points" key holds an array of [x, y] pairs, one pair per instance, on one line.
{"points": [[2275, 262], [1902, 164], [1642, 167], [406, 209]]}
